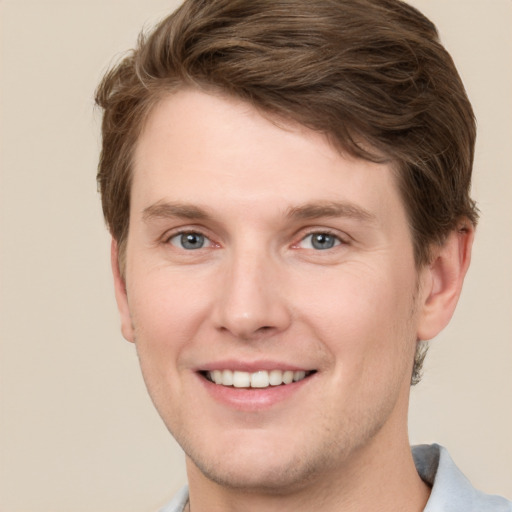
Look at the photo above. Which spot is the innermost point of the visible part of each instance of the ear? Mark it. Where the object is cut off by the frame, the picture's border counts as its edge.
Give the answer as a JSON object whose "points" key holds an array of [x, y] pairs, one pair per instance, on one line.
{"points": [[121, 295], [442, 282]]}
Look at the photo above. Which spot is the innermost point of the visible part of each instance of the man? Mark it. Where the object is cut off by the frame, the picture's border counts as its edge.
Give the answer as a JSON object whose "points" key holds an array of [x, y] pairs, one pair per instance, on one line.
{"points": [[287, 187]]}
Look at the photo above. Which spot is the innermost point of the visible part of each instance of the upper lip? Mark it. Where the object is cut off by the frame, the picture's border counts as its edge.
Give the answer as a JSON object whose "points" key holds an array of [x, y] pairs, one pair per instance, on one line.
{"points": [[251, 366]]}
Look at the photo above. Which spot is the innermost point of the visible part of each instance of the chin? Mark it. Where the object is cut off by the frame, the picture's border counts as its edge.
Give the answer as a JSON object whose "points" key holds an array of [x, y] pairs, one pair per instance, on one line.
{"points": [[264, 474], [260, 462]]}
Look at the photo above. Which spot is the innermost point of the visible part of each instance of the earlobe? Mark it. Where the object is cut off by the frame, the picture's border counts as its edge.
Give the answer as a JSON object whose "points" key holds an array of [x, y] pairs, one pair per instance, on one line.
{"points": [[442, 282], [120, 292]]}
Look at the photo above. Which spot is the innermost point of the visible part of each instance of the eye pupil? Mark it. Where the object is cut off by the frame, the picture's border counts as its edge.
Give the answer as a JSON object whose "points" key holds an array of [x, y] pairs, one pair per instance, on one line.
{"points": [[322, 241], [192, 240]]}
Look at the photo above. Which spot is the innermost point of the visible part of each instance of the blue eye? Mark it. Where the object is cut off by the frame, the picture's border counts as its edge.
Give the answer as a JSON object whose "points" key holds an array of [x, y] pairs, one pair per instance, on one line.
{"points": [[189, 241], [320, 241]]}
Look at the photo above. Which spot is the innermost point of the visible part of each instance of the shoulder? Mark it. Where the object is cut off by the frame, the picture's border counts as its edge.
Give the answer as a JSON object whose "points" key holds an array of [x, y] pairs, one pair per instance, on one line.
{"points": [[451, 490]]}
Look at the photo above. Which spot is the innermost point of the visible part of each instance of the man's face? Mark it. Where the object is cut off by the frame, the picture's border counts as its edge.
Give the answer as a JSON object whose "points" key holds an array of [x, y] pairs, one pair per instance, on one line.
{"points": [[256, 251]]}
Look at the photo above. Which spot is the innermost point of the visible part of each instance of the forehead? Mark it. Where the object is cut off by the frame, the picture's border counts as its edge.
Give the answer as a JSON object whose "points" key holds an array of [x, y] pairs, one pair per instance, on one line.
{"points": [[204, 149]]}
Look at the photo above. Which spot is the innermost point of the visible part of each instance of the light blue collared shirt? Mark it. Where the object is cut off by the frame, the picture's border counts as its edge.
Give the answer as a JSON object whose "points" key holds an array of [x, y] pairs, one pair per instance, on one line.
{"points": [[451, 490]]}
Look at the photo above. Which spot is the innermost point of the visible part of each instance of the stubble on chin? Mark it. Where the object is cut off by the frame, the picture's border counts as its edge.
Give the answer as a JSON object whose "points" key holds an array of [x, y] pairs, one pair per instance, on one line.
{"points": [[305, 464]]}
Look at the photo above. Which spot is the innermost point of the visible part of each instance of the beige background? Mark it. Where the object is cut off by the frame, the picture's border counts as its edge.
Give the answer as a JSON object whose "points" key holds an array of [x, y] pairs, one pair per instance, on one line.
{"points": [[77, 431]]}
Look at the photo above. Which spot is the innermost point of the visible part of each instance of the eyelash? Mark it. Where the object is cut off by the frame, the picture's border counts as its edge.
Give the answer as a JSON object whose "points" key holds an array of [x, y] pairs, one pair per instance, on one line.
{"points": [[197, 233], [338, 240]]}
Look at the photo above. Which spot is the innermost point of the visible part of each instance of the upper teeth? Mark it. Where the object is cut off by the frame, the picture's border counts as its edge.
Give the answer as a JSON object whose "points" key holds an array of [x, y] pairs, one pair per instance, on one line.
{"points": [[259, 379]]}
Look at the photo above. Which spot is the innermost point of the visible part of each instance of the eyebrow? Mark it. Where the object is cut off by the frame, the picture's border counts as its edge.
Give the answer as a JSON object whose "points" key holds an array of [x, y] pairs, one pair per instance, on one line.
{"points": [[311, 211], [308, 211], [165, 210]]}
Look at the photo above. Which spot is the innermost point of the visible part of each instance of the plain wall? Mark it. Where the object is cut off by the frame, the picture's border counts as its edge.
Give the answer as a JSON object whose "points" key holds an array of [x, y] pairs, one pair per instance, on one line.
{"points": [[77, 430]]}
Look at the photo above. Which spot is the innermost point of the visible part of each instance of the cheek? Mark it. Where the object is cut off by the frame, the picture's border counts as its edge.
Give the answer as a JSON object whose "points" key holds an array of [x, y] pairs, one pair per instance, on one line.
{"points": [[364, 316], [358, 297], [166, 313], [166, 319]]}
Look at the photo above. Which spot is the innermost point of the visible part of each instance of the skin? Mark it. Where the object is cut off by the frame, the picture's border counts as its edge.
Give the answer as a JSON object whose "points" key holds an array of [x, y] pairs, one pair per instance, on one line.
{"points": [[259, 293]]}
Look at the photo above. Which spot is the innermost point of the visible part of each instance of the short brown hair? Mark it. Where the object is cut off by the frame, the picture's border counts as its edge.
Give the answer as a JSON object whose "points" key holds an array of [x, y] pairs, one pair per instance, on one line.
{"points": [[370, 74]]}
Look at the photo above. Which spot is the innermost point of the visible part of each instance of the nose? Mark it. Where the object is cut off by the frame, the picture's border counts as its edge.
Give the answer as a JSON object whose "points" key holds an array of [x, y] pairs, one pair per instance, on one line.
{"points": [[252, 303]]}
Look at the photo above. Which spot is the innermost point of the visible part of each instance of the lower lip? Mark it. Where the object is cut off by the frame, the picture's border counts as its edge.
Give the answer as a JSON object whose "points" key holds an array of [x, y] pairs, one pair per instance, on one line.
{"points": [[252, 399]]}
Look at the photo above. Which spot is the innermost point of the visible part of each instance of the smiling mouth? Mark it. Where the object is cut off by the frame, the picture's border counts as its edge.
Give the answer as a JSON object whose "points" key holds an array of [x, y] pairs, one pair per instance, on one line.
{"points": [[259, 379]]}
